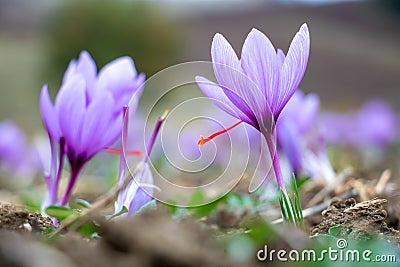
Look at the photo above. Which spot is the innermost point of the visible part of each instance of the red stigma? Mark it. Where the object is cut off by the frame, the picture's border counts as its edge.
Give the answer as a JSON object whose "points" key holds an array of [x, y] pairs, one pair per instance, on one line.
{"points": [[118, 152], [204, 140]]}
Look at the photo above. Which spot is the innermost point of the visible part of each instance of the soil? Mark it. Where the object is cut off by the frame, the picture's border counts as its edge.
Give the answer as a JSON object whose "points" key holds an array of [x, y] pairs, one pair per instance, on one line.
{"points": [[359, 221], [151, 239], [19, 219]]}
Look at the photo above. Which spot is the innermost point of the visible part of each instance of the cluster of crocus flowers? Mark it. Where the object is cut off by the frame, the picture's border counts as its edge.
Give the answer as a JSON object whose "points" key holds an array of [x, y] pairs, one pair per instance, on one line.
{"points": [[86, 116], [256, 87]]}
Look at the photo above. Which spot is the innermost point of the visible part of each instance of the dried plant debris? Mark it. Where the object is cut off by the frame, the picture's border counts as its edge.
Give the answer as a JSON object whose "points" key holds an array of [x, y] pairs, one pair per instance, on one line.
{"points": [[13, 218], [359, 221]]}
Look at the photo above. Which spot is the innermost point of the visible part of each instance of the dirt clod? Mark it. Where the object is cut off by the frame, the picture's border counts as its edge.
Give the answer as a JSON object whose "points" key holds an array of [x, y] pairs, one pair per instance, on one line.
{"points": [[13, 218], [359, 221]]}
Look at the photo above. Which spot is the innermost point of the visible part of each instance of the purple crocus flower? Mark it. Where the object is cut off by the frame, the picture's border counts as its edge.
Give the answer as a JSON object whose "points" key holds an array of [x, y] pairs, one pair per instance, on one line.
{"points": [[375, 123], [294, 125], [134, 197], [256, 88], [15, 155], [87, 115]]}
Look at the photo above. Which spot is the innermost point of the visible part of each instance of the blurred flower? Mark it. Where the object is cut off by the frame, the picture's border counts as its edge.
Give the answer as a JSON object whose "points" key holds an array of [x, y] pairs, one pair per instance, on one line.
{"points": [[87, 114], [257, 87], [133, 197], [317, 165], [16, 157], [298, 119], [376, 122], [375, 125]]}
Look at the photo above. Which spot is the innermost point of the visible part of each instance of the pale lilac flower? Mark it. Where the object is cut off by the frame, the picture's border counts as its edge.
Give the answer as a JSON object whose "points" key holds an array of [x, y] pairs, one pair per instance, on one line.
{"points": [[257, 87], [317, 165], [134, 196], [16, 157], [87, 114], [373, 125], [376, 123], [297, 121]]}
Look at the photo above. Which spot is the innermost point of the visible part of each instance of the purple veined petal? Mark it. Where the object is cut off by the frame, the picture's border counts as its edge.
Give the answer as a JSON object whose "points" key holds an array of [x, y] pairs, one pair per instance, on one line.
{"points": [[219, 98], [71, 107], [256, 109], [260, 62], [293, 68], [96, 123], [223, 54], [49, 114], [238, 87], [280, 58]]}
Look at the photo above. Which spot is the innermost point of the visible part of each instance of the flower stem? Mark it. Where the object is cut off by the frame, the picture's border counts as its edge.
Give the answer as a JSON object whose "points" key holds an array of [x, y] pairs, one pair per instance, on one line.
{"points": [[56, 181], [275, 163], [122, 163], [154, 135], [72, 180]]}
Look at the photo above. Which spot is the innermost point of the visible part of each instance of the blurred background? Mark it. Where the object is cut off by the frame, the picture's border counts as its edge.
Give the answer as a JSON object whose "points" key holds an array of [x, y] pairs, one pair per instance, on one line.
{"points": [[355, 47]]}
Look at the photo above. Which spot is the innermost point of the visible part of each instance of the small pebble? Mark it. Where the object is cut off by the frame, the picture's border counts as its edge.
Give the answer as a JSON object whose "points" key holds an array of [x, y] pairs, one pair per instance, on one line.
{"points": [[27, 227]]}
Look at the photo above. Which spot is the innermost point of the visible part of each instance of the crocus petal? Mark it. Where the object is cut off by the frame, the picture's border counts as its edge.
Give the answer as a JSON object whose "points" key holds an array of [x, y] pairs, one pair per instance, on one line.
{"points": [[87, 68], [259, 62], [309, 112], [134, 197], [290, 142], [301, 111], [219, 98], [134, 99], [49, 115], [293, 68], [70, 105], [119, 77], [280, 58], [141, 199], [97, 120], [142, 196], [238, 87], [84, 66], [70, 71]]}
